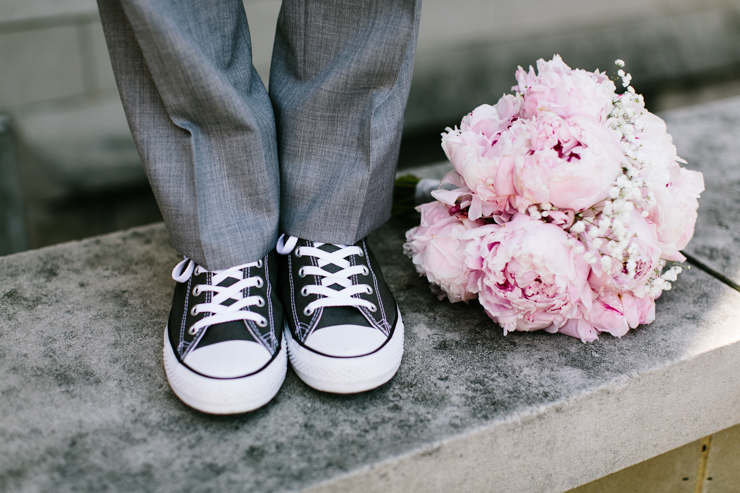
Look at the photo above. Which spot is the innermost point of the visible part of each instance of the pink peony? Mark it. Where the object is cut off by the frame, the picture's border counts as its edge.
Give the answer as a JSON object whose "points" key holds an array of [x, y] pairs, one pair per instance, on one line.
{"points": [[564, 201], [527, 278], [616, 313], [479, 131], [646, 255], [482, 152], [676, 189], [572, 164], [676, 192], [506, 162], [437, 251], [677, 225], [655, 143], [578, 327], [568, 163], [566, 92]]}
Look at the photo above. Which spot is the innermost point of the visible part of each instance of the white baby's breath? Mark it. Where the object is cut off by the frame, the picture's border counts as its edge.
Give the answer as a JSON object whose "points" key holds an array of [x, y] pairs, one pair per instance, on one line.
{"points": [[609, 230]]}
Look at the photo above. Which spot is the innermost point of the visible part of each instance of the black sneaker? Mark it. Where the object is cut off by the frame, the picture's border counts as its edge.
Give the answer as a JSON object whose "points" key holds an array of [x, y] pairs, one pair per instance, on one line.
{"points": [[223, 351], [343, 329]]}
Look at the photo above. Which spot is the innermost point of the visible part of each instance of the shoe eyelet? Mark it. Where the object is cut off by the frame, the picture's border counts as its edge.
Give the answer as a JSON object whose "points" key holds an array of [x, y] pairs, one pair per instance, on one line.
{"points": [[365, 271], [297, 252], [260, 302], [260, 282], [304, 291], [301, 272], [262, 323], [260, 264], [194, 311], [370, 290], [373, 308], [198, 271], [307, 312], [361, 254], [196, 290], [191, 330]]}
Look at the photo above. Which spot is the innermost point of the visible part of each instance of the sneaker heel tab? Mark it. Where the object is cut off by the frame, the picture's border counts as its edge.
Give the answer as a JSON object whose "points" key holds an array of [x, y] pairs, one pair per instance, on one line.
{"points": [[183, 270], [286, 244]]}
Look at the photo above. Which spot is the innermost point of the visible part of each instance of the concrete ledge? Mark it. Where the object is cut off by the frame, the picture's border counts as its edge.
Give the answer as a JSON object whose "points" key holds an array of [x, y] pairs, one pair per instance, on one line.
{"points": [[85, 406]]}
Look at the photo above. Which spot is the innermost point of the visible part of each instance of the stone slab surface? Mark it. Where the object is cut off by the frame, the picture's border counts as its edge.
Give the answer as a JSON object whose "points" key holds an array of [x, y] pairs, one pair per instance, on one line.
{"points": [[85, 406]]}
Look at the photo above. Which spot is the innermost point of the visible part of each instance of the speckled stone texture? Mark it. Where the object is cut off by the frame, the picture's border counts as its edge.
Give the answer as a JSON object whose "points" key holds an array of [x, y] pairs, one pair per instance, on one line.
{"points": [[85, 405]]}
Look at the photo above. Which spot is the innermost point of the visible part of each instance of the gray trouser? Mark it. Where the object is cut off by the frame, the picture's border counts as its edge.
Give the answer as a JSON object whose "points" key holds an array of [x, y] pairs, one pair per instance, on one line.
{"points": [[232, 166]]}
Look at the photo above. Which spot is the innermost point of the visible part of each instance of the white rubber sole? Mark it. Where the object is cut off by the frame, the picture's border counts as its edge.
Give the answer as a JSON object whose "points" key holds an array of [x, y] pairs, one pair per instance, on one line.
{"points": [[224, 396], [347, 375]]}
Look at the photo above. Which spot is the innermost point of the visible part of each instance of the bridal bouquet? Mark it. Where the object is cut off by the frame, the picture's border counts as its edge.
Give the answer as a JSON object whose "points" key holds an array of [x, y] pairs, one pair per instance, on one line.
{"points": [[564, 207]]}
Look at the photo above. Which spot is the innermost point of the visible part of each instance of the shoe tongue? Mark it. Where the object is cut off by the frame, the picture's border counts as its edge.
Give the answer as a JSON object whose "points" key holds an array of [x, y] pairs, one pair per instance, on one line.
{"points": [[229, 331], [330, 248], [342, 315], [229, 281]]}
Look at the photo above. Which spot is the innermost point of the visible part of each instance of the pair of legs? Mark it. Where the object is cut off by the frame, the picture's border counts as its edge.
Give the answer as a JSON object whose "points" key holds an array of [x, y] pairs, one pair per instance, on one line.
{"points": [[233, 167]]}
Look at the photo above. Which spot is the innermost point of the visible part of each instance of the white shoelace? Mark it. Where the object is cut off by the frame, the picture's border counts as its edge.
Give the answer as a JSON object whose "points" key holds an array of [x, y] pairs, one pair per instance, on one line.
{"points": [[327, 295], [216, 311]]}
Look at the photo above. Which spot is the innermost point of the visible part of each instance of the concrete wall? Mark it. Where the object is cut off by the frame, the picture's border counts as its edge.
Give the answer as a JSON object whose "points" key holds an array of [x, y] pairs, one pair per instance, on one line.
{"points": [[708, 465], [54, 51], [468, 54], [51, 51]]}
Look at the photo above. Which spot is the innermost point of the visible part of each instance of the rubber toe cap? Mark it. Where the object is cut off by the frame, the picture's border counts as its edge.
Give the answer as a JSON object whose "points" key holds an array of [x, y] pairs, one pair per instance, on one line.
{"points": [[346, 340], [228, 359]]}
